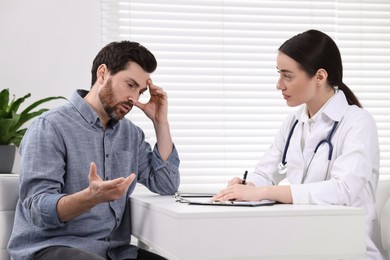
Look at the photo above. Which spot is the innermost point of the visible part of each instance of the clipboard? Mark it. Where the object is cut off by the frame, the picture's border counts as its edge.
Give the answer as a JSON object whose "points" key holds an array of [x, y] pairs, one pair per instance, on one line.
{"points": [[207, 201], [194, 194]]}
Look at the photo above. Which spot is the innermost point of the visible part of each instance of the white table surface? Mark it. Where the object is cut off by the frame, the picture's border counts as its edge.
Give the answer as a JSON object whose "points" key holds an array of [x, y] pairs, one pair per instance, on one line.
{"points": [[181, 231]]}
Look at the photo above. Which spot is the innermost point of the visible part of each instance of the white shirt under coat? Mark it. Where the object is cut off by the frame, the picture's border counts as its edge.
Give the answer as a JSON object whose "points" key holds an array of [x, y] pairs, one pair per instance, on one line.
{"points": [[351, 176]]}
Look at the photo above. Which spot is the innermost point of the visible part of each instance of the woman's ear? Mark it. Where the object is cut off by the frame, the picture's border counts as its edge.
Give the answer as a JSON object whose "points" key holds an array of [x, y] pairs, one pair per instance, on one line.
{"points": [[321, 76]]}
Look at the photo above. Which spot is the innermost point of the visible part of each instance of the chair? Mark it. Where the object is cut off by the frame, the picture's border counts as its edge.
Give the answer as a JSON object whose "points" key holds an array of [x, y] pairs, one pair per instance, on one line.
{"points": [[9, 194], [385, 226], [383, 210]]}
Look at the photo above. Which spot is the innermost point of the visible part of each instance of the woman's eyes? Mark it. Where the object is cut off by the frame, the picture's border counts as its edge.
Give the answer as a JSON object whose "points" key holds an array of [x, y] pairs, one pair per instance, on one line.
{"points": [[285, 75]]}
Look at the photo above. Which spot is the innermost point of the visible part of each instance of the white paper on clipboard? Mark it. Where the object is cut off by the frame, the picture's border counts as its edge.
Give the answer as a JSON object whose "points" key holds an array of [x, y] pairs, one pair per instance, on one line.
{"points": [[208, 201]]}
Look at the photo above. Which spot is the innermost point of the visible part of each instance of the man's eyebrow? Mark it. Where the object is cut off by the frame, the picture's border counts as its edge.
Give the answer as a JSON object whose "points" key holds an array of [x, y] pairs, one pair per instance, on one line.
{"points": [[137, 84], [133, 82]]}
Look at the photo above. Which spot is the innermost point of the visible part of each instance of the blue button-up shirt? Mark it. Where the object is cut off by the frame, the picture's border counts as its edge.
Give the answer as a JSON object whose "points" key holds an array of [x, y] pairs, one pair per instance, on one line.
{"points": [[56, 153]]}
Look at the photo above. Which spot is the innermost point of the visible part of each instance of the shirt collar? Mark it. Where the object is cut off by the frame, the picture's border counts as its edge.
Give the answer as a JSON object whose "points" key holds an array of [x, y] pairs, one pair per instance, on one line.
{"points": [[337, 107], [334, 108], [85, 110]]}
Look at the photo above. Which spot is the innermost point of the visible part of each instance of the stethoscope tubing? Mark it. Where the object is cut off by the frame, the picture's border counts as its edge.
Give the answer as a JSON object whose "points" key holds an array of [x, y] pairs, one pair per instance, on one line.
{"points": [[282, 165], [288, 142], [328, 141]]}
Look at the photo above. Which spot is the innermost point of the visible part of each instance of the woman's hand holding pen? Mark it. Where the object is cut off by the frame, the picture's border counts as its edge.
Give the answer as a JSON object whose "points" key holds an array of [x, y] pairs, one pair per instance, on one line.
{"points": [[237, 189], [237, 180]]}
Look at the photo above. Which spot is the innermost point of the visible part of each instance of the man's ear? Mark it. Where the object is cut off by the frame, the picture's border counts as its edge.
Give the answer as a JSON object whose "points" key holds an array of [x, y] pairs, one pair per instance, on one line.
{"points": [[101, 73]]}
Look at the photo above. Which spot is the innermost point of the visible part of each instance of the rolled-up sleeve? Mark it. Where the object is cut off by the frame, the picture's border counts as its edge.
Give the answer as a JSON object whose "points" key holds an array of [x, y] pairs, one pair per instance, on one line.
{"points": [[44, 211], [163, 177]]}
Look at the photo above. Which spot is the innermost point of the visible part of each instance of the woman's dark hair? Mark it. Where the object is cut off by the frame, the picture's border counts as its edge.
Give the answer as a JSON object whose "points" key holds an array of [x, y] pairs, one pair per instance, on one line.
{"points": [[315, 50], [117, 55]]}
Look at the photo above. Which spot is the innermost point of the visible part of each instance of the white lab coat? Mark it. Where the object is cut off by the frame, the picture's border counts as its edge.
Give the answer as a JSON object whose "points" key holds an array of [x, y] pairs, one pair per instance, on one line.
{"points": [[350, 178]]}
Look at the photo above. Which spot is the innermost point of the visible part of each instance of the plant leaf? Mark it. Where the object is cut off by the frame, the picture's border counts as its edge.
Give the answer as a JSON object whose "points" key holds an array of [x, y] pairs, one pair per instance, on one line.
{"points": [[15, 104], [11, 121], [18, 137], [4, 99], [37, 103], [6, 132], [25, 117]]}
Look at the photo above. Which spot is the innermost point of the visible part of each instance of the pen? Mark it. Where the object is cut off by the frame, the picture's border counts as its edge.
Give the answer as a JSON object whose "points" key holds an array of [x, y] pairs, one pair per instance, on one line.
{"points": [[244, 178]]}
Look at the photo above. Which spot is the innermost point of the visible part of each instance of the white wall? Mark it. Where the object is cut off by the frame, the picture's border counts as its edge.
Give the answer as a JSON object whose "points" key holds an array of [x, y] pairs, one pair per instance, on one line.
{"points": [[47, 47]]}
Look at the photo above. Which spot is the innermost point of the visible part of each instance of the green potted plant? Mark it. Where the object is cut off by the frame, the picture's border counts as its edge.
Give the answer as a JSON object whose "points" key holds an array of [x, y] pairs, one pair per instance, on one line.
{"points": [[11, 122]]}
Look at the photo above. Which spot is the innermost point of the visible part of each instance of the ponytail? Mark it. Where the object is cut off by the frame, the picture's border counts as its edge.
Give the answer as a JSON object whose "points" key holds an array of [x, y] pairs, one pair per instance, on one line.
{"points": [[351, 98]]}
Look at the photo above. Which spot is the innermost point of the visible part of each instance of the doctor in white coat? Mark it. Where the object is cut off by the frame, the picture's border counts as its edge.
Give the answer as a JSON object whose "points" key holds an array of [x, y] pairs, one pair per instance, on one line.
{"points": [[328, 149]]}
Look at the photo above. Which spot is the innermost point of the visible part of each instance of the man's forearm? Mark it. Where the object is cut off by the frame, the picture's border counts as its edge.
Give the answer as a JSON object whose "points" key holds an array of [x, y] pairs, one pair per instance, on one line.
{"points": [[73, 205], [164, 140]]}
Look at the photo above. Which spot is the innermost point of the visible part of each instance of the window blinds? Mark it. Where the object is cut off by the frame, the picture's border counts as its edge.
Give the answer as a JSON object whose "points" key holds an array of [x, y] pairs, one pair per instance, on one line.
{"points": [[216, 60]]}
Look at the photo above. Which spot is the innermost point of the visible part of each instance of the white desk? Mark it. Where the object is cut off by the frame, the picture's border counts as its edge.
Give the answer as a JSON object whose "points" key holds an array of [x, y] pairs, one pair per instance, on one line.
{"points": [[181, 231]]}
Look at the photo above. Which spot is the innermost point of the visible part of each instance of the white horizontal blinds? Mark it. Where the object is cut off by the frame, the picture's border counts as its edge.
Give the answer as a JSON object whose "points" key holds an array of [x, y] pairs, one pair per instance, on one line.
{"points": [[363, 35], [217, 63]]}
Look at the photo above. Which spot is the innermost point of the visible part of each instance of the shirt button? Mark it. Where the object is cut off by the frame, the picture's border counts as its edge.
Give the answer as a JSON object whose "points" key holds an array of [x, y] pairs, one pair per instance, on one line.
{"points": [[107, 155], [117, 220], [107, 178]]}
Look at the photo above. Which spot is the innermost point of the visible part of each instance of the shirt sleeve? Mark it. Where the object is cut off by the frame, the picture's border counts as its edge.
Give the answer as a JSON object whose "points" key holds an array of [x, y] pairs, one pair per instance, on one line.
{"points": [[159, 176], [41, 173]]}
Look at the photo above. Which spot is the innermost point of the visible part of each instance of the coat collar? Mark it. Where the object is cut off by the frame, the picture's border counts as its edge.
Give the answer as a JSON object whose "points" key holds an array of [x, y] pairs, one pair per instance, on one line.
{"points": [[334, 109]]}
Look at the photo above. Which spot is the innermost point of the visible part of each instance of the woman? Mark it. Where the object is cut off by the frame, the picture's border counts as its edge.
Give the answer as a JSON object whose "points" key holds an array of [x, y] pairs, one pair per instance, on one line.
{"points": [[328, 150]]}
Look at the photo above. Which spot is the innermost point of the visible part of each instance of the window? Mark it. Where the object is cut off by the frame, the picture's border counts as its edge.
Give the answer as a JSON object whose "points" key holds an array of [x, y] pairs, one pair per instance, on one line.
{"points": [[217, 63]]}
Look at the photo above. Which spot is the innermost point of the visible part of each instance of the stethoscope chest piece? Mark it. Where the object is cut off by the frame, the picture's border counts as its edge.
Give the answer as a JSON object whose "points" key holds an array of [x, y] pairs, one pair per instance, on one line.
{"points": [[282, 168]]}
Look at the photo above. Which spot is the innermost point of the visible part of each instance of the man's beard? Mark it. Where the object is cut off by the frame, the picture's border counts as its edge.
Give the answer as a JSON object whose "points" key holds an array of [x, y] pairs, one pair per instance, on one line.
{"points": [[106, 97]]}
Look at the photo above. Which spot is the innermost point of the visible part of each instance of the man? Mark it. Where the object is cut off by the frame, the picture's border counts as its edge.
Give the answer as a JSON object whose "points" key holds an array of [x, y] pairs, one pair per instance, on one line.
{"points": [[81, 161]]}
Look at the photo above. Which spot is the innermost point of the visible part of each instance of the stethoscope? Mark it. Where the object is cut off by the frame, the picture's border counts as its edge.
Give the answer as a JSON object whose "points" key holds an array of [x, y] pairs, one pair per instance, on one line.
{"points": [[282, 168]]}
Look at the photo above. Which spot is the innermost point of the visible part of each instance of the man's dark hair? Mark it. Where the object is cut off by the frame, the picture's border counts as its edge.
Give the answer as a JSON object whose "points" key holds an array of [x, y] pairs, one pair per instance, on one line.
{"points": [[117, 55]]}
